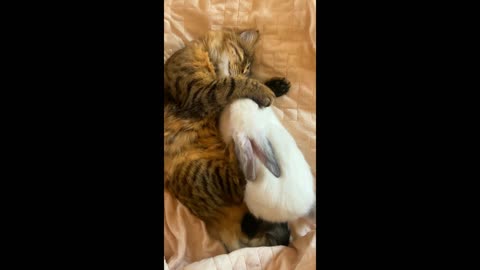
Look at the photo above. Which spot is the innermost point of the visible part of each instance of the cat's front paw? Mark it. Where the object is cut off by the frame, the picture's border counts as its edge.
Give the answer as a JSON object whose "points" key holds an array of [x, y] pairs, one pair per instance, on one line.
{"points": [[264, 98], [280, 86]]}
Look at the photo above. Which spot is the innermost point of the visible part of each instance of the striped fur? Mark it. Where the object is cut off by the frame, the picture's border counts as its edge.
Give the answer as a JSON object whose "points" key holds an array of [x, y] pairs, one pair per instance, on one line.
{"points": [[211, 72], [200, 170]]}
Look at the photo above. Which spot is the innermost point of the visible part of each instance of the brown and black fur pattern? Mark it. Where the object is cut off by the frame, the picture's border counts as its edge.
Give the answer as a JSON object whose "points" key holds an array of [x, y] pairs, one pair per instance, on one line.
{"points": [[200, 170], [211, 72]]}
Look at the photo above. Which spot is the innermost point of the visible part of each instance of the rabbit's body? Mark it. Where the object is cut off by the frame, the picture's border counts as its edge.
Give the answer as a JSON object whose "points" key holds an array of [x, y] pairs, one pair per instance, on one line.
{"points": [[260, 138]]}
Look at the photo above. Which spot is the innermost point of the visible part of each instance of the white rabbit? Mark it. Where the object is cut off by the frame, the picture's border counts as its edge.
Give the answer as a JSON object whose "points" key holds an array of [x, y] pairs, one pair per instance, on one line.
{"points": [[279, 181]]}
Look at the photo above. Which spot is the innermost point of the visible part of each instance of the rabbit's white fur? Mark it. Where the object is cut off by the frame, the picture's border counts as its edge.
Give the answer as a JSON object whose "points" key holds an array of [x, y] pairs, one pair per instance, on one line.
{"points": [[282, 199]]}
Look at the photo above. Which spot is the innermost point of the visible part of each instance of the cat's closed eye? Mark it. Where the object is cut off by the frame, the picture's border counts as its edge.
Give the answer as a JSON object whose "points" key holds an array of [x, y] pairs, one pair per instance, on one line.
{"points": [[246, 70]]}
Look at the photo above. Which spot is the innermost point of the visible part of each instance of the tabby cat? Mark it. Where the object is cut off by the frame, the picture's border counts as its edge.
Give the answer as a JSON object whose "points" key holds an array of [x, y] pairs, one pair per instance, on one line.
{"points": [[200, 170]]}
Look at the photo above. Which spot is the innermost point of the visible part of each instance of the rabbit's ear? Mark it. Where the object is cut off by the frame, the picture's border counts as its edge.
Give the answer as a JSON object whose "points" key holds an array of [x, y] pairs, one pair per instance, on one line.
{"points": [[264, 151], [245, 156]]}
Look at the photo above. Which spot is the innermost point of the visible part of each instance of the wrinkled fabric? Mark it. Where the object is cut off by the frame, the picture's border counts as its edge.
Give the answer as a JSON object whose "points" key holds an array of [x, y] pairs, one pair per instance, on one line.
{"points": [[185, 237], [286, 48], [188, 246]]}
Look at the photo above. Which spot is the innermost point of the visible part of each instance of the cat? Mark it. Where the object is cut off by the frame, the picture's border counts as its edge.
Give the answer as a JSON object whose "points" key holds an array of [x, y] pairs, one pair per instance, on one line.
{"points": [[200, 170]]}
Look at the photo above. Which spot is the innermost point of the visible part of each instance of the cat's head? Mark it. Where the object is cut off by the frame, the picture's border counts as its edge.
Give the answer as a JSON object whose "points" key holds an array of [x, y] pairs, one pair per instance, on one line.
{"points": [[232, 51]]}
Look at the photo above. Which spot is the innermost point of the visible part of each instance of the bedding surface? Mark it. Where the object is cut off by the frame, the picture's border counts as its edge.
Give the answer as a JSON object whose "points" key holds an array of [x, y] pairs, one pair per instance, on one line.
{"points": [[286, 48]]}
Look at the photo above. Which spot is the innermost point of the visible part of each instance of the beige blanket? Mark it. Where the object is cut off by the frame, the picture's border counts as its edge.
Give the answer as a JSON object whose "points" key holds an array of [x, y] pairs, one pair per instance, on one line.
{"points": [[287, 48]]}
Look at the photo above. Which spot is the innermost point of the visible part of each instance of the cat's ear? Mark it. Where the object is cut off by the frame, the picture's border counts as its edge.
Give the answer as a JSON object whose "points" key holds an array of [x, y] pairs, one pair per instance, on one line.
{"points": [[245, 156], [250, 37], [264, 151]]}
